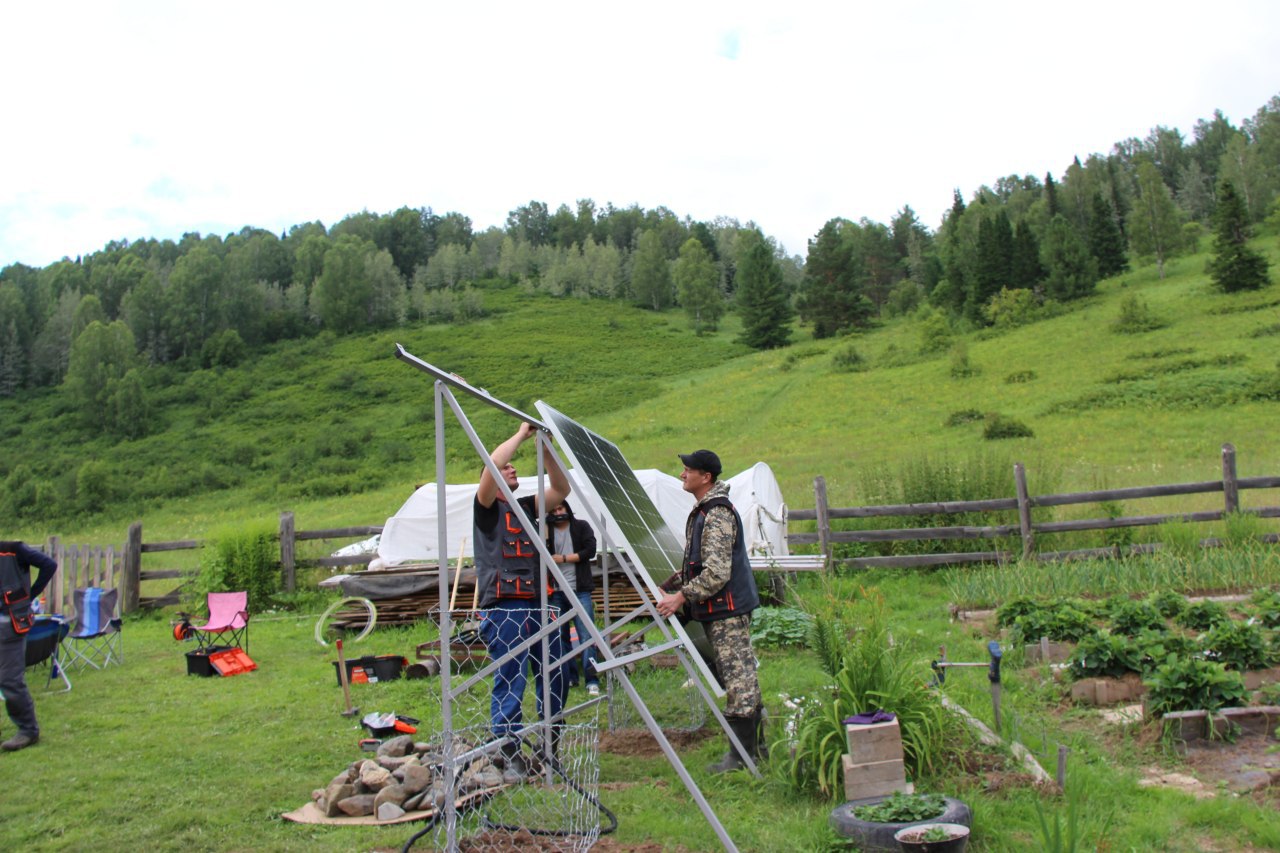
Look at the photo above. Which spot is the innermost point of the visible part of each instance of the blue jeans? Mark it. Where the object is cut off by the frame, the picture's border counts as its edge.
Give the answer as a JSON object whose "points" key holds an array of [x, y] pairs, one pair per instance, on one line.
{"points": [[584, 639], [506, 625]]}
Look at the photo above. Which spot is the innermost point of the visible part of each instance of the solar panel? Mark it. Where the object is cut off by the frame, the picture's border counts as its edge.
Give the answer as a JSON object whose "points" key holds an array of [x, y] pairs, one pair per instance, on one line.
{"points": [[648, 538], [653, 546]]}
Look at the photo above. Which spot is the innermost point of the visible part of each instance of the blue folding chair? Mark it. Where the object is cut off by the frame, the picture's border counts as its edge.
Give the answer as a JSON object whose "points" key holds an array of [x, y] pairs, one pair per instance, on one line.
{"points": [[44, 646], [95, 640]]}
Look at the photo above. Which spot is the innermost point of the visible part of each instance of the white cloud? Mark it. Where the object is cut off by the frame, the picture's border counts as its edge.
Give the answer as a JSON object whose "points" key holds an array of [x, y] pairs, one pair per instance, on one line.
{"points": [[131, 120]]}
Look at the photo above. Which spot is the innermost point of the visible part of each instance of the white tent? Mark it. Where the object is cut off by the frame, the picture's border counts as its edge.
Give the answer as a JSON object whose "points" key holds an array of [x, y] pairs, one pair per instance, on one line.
{"points": [[411, 536]]}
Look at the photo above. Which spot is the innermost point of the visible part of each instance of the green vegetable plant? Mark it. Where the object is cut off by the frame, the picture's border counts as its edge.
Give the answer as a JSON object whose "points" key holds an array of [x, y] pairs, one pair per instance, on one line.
{"points": [[1265, 605], [1239, 645], [900, 807], [1105, 655], [1192, 684], [1131, 617], [1168, 602], [777, 627], [1064, 622], [1202, 615], [1155, 646]]}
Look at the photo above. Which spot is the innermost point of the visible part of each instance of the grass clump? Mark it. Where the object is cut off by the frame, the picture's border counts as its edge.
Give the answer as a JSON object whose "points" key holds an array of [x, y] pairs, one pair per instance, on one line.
{"points": [[1019, 377], [998, 426], [963, 416], [848, 360]]}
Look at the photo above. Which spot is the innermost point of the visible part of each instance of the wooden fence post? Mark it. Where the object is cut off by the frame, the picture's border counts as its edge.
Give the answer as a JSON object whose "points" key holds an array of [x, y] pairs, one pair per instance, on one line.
{"points": [[824, 523], [1024, 509], [53, 593], [131, 577], [1230, 487], [287, 551]]}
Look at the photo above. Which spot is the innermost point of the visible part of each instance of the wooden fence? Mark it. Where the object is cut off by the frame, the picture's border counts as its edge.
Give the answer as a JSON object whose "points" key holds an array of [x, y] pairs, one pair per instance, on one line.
{"points": [[1026, 529], [79, 566]]}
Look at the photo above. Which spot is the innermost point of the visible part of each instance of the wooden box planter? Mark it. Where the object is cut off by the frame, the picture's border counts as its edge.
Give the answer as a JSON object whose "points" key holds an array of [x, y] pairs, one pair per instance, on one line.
{"points": [[1197, 725]]}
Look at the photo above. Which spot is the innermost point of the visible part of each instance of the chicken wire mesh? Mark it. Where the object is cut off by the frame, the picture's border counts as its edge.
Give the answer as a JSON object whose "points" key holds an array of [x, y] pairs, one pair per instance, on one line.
{"points": [[537, 790], [665, 688]]}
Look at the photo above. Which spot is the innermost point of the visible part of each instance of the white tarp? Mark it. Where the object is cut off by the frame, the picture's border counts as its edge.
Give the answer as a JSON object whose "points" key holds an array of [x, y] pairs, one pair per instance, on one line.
{"points": [[411, 535]]}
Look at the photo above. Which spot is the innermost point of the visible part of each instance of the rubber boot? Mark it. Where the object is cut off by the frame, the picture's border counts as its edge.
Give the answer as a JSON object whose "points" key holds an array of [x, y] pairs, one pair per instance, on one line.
{"points": [[745, 729], [514, 767], [762, 742]]}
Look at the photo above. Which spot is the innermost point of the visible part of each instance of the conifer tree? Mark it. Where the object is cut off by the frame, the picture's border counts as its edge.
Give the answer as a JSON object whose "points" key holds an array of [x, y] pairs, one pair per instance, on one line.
{"points": [[1051, 195], [762, 298], [1025, 269], [1072, 271], [831, 294], [1234, 266], [1105, 240]]}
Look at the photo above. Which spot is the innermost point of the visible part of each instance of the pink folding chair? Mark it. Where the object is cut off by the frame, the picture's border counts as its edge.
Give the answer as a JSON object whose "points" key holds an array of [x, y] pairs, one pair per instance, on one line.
{"points": [[228, 622]]}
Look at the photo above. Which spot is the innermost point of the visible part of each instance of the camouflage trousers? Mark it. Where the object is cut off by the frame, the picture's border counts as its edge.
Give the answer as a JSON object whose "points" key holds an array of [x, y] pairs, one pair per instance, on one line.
{"points": [[731, 646]]}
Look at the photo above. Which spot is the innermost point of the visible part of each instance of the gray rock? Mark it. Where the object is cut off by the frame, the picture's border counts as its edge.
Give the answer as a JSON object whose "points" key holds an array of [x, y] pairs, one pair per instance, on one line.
{"points": [[333, 795], [415, 778], [389, 811], [396, 746], [390, 794], [374, 777], [414, 802], [395, 762], [360, 805]]}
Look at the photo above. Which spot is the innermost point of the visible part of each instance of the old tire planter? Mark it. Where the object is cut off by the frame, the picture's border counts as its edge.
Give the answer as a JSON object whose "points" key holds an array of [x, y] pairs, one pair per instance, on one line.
{"points": [[870, 835]]}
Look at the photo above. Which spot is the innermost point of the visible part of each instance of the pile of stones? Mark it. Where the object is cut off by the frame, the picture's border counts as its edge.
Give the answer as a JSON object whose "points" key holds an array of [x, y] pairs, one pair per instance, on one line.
{"points": [[401, 776]]}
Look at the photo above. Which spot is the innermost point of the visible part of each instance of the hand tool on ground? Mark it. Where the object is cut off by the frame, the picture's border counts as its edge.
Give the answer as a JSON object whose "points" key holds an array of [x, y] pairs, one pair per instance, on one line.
{"points": [[346, 688], [993, 673]]}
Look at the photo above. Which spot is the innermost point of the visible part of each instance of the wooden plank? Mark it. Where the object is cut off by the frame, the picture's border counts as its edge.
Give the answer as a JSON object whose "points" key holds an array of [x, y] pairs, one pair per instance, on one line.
{"points": [[1130, 521], [339, 532], [1128, 494], [1024, 509], [178, 545], [910, 561], [161, 574], [917, 533]]}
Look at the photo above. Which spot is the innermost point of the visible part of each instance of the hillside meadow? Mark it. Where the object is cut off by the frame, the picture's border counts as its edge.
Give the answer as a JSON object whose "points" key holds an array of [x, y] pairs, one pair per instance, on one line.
{"points": [[340, 432]]}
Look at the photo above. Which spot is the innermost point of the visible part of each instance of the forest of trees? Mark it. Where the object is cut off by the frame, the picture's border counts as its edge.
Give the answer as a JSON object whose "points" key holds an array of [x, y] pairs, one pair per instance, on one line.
{"points": [[95, 324]]}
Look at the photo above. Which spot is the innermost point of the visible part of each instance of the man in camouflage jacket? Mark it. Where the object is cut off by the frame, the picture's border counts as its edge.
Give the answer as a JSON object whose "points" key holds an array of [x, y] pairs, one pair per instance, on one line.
{"points": [[716, 587]]}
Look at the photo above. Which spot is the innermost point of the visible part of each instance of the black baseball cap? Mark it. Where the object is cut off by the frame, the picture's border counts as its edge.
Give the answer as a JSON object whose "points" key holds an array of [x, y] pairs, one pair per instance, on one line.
{"points": [[702, 460]]}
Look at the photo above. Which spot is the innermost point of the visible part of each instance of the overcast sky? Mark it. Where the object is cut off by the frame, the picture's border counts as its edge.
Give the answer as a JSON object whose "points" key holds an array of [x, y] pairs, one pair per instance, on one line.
{"points": [[128, 120]]}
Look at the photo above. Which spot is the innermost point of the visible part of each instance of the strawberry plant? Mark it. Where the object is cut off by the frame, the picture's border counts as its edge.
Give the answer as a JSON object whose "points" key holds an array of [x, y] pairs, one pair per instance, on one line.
{"points": [[1192, 684]]}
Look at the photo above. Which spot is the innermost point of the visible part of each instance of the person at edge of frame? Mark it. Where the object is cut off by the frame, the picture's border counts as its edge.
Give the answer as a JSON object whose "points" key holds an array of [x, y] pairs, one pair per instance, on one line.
{"points": [[572, 544], [715, 586], [16, 594], [507, 571]]}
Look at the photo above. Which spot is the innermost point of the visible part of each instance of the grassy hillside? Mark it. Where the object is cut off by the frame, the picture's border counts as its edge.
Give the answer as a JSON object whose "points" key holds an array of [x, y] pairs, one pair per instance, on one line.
{"points": [[339, 431]]}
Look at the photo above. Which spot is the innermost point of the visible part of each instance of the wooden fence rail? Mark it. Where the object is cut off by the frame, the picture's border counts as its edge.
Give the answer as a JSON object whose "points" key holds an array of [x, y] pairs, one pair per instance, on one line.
{"points": [[1026, 529]]}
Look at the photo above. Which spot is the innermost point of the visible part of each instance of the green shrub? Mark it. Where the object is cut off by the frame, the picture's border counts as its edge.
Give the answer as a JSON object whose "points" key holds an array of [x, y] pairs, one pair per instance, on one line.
{"points": [[1008, 612], [1019, 377], [1239, 645], [1011, 308], [1000, 426], [1105, 655], [964, 416], [1135, 317], [1115, 537], [961, 366], [1202, 615], [1193, 684], [848, 360], [244, 558], [901, 807], [935, 332], [1179, 538]]}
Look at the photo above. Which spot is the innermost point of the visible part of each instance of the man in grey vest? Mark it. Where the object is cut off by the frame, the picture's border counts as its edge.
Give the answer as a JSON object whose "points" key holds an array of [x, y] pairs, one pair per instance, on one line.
{"points": [[16, 594], [715, 586], [507, 572]]}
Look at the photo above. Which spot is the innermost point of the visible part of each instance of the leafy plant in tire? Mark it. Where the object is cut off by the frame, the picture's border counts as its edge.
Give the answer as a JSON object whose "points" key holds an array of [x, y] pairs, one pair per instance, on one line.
{"points": [[1105, 655], [1239, 645], [1131, 617], [899, 807], [1202, 615], [1193, 684]]}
